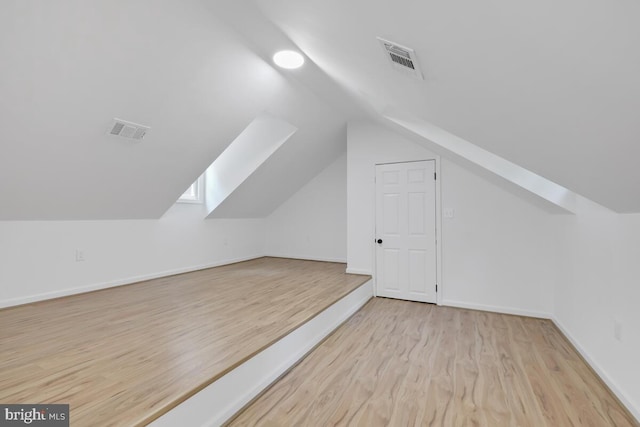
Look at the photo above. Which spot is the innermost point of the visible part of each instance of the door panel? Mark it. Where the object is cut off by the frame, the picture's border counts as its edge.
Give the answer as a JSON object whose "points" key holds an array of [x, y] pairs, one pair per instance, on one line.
{"points": [[391, 177], [415, 175], [391, 215], [417, 270], [405, 222], [416, 215], [391, 270]]}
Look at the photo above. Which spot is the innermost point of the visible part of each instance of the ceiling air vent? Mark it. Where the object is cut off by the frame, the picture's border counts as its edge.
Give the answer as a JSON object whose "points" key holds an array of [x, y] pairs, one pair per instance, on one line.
{"points": [[127, 129], [401, 58]]}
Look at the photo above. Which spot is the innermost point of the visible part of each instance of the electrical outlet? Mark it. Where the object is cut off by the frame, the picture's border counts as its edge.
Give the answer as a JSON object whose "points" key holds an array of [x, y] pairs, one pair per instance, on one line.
{"points": [[79, 255], [449, 213]]}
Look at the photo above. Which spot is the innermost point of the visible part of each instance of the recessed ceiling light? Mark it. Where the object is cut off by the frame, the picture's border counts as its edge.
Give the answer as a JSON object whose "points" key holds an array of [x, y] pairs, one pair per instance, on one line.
{"points": [[288, 59]]}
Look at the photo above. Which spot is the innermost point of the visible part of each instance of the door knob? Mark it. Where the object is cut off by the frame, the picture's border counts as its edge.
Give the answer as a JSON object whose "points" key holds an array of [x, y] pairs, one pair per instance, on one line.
{"points": [[379, 241]]}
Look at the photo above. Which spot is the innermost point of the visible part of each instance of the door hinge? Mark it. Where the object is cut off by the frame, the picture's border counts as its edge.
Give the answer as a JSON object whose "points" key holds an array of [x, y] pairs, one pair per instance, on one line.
{"points": [[435, 176], [436, 287]]}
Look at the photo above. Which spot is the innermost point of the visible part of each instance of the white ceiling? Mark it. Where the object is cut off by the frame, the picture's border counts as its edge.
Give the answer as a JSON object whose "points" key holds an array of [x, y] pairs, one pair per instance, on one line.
{"points": [[551, 86], [68, 68]]}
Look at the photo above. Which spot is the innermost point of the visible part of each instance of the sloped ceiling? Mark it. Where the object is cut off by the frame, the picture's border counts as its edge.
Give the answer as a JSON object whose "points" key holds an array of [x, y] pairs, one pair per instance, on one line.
{"points": [[69, 67], [551, 86], [319, 109]]}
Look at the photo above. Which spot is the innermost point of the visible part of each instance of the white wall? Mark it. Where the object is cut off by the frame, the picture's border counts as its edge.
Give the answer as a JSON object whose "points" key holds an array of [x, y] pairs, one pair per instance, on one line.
{"points": [[37, 258], [368, 144], [499, 251], [505, 254], [495, 251], [312, 224], [598, 283]]}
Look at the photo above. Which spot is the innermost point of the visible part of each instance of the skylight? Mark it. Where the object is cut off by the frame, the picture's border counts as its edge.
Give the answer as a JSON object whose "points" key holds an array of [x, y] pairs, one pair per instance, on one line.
{"points": [[195, 192]]}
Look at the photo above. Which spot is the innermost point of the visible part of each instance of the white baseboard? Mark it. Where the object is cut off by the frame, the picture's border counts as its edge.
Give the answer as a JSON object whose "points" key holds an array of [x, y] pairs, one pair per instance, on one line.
{"points": [[119, 282], [598, 369], [359, 271], [222, 399], [496, 309], [310, 258]]}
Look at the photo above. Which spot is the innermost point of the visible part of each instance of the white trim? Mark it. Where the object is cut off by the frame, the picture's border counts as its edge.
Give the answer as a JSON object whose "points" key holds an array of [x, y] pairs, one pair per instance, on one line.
{"points": [[219, 401], [359, 271], [496, 309], [536, 184], [309, 258], [119, 282], [440, 293], [374, 233], [200, 186], [600, 371]]}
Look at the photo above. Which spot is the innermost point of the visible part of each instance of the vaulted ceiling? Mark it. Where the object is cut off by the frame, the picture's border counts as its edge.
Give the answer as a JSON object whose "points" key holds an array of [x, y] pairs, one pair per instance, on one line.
{"points": [[69, 67], [553, 87]]}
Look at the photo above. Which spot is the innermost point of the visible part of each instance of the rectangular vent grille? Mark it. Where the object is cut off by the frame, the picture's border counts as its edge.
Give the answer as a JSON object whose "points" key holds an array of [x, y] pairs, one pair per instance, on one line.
{"points": [[125, 129], [402, 61], [401, 58]]}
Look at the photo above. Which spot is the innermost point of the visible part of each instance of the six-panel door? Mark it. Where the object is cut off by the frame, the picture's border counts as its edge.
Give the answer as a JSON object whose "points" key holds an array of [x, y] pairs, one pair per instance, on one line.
{"points": [[406, 231]]}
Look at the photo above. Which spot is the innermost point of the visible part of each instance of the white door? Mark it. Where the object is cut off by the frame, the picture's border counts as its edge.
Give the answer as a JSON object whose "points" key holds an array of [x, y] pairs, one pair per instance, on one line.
{"points": [[406, 231]]}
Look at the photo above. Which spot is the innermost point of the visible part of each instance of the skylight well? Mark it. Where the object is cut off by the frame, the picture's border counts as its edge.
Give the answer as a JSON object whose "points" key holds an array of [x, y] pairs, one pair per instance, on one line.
{"points": [[255, 144], [195, 192], [244, 155]]}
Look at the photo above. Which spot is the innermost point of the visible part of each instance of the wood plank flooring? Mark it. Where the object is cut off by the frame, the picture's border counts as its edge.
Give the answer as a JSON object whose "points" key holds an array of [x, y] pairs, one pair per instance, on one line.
{"points": [[398, 363], [126, 355]]}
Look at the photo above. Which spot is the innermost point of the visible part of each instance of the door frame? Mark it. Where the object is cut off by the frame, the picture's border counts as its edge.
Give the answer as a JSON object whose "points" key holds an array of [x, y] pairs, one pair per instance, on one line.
{"points": [[436, 159]]}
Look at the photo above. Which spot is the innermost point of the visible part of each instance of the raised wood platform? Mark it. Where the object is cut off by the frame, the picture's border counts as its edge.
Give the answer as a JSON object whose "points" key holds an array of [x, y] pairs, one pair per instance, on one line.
{"points": [[127, 355], [399, 363]]}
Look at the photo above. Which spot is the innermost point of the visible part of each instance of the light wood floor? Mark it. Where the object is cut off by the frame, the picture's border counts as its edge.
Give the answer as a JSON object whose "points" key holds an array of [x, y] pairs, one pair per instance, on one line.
{"points": [[398, 363], [124, 356]]}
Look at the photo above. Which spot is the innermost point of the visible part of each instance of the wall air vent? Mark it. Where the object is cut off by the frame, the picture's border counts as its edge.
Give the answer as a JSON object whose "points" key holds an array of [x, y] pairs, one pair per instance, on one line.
{"points": [[401, 58], [127, 129]]}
